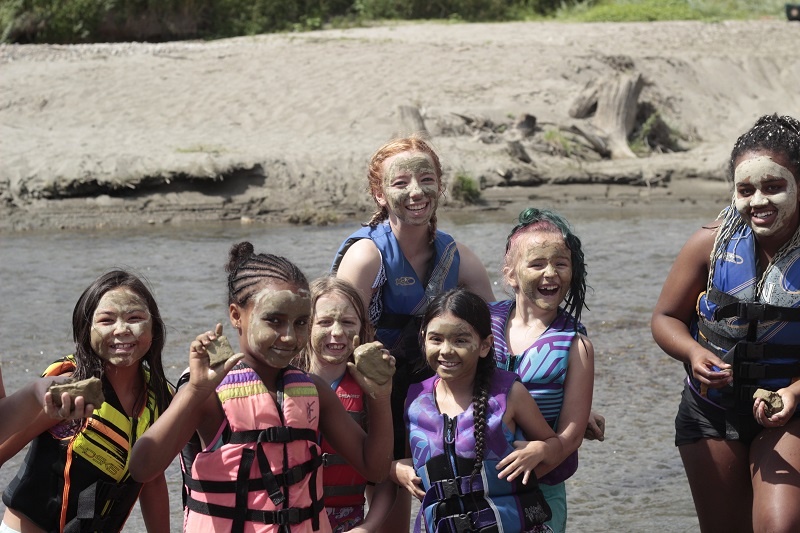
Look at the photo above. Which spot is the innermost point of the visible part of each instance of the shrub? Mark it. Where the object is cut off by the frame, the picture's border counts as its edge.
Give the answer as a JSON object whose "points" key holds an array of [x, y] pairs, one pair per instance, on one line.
{"points": [[465, 189]]}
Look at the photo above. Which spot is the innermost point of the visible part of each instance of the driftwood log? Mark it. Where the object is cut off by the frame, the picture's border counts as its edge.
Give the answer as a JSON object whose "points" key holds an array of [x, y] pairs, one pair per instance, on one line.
{"points": [[411, 121], [614, 101]]}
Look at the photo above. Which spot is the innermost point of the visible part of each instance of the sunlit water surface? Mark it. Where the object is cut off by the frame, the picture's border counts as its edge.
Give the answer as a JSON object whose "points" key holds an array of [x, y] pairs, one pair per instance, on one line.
{"points": [[631, 482]]}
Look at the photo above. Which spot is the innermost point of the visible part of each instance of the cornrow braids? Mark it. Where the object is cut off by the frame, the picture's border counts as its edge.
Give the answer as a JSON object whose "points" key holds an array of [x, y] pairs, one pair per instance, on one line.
{"points": [[779, 134], [247, 270], [531, 220]]}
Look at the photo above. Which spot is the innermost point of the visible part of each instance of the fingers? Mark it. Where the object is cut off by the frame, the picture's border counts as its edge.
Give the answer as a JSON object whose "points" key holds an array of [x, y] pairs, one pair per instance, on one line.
{"points": [[356, 342], [218, 330]]}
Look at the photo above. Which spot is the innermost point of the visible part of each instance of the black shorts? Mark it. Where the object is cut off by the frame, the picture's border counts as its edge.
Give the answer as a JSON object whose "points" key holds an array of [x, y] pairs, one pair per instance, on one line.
{"points": [[698, 419]]}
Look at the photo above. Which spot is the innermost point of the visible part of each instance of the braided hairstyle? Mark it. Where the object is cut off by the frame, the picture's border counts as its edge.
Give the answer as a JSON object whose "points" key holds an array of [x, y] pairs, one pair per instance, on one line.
{"points": [[534, 220], [778, 134], [413, 143], [331, 285], [88, 363], [247, 271], [472, 309]]}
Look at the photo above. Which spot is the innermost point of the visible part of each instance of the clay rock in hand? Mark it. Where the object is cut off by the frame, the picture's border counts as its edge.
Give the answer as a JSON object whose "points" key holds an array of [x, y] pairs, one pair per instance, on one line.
{"points": [[370, 362], [219, 351], [91, 389], [772, 400]]}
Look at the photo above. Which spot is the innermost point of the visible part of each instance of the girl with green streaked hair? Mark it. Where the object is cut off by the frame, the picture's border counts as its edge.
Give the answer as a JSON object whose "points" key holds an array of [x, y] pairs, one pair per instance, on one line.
{"points": [[538, 334]]}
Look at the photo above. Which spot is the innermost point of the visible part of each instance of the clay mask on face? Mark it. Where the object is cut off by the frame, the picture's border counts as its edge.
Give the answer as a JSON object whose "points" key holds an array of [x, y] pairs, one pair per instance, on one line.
{"points": [[335, 324], [407, 176], [763, 186], [121, 327], [276, 314]]}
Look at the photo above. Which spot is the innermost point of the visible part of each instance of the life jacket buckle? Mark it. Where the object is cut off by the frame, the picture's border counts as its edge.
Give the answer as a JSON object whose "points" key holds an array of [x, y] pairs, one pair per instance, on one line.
{"points": [[287, 517], [749, 351], [448, 488], [752, 311], [462, 523], [277, 434]]}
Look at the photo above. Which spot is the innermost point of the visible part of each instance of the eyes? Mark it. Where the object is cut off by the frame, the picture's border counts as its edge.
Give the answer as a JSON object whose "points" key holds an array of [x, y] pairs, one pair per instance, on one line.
{"points": [[541, 264], [404, 180], [326, 322], [107, 319], [277, 321], [435, 339], [770, 187]]}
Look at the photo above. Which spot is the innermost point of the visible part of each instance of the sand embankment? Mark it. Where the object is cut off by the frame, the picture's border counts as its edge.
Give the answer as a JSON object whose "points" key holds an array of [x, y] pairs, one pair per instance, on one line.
{"points": [[278, 128]]}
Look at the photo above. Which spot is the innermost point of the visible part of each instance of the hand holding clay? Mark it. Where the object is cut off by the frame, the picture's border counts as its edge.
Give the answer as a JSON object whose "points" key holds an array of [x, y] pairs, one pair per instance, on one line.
{"points": [[373, 362], [71, 398], [773, 403], [210, 358]]}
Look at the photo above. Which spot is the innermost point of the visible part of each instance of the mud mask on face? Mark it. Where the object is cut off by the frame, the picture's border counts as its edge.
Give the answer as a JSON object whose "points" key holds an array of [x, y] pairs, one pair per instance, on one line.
{"points": [[759, 172]]}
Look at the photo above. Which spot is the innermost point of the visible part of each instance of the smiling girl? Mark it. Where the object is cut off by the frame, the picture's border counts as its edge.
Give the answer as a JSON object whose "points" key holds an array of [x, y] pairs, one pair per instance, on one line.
{"points": [[729, 311], [258, 418], [76, 475], [465, 466], [538, 335], [399, 261]]}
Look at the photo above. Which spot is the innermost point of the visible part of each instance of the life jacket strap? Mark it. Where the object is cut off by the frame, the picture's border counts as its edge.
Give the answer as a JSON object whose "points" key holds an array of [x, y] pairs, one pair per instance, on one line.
{"points": [[288, 478], [290, 516], [98, 506], [731, 307], [483, 521], [281, 434], [343, 490]]}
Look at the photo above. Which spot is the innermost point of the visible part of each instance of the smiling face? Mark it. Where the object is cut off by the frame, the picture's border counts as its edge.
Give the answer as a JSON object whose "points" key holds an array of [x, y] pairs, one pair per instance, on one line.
{"points": [[335, 324], [122, 328], [542, 270], [410, 188], [766, 194], [273, 324], [453, 347]]}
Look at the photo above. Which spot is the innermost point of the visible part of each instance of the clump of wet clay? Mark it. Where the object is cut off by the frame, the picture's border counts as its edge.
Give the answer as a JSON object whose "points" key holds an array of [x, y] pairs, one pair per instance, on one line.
{"points": [[370, 362], [219, 351], [91, 389], [772, 400]]}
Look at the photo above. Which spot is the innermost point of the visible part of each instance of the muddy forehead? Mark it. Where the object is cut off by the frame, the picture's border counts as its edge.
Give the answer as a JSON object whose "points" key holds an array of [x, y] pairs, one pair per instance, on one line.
{"points": [[416, 164], [283, 300], [121, 299], [761, 166]]}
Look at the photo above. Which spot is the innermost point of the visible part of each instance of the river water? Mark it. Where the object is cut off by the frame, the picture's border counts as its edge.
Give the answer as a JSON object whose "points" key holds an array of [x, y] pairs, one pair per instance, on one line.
{"points": [[633, 481]]}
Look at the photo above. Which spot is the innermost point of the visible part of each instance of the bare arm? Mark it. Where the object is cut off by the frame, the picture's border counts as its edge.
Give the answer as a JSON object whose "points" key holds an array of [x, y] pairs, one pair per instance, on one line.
{"points": [[383, 495], [154, 502], [195, 407], [676, 306], [369, 453], [360, 266], [578, 389], [472, 274], [544, 444]]}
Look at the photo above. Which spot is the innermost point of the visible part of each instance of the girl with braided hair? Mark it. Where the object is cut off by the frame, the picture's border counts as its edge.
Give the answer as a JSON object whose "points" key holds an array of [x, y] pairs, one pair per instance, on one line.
{"points": [[538, 335], [399, 261], [257, 418], [729, 311], [465, 465]]}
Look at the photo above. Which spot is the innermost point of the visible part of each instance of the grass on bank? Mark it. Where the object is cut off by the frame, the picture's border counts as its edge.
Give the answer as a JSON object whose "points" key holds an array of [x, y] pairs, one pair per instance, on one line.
{"points": [[75, 21]]}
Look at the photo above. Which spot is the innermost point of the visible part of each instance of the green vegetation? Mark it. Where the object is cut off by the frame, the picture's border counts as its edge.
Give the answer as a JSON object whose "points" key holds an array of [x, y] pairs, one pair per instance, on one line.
{"points": [[465, 189], [74, 21], [561, 145]]}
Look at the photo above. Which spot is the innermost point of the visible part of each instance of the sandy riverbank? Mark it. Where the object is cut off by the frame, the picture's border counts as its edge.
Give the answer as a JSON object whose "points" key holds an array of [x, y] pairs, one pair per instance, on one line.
{"points": [[278, 128]]}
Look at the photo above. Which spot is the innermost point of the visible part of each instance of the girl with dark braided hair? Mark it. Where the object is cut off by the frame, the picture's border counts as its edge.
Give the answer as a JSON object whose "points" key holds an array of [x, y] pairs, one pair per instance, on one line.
{"points": [[257, 419], [399, 261], [76, 476], [538, 335], [465, 465], [729, 311]]}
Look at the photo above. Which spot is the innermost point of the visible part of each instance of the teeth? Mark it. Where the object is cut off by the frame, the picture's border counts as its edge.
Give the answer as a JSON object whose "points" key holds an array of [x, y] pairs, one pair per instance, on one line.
{"points": [[448, 364], [336, 346]]}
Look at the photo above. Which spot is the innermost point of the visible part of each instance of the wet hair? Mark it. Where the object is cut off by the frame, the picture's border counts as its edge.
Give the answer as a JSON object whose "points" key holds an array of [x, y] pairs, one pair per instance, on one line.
{"points": [[248, 271], [328, 285], [412, 143], [472, 309], [778, 134], [88, 363], [534, 220]]}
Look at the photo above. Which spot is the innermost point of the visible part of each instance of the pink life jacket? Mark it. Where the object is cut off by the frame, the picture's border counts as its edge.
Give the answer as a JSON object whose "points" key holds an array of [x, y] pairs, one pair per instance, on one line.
{"points": [[263, 474], [344, 486]]}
